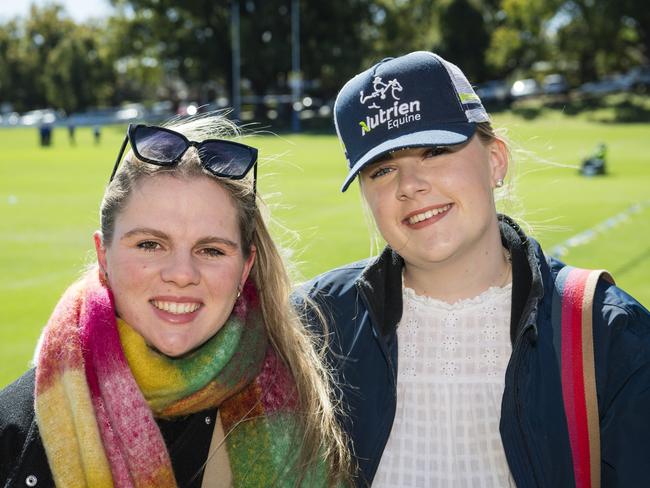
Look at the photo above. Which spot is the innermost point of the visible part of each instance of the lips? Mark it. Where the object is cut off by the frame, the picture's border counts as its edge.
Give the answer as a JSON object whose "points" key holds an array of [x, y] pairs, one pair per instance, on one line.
{"points": [[427, 214]]}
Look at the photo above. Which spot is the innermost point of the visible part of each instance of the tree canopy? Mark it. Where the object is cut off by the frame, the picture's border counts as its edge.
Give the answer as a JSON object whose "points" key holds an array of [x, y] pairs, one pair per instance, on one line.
{"points": [[160, 49]]}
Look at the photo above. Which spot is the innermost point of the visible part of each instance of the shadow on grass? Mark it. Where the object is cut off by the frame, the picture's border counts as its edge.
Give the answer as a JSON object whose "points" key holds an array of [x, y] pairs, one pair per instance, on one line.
{"points": [[632, 263], [615, 108], [528, 112], [629, 112]]}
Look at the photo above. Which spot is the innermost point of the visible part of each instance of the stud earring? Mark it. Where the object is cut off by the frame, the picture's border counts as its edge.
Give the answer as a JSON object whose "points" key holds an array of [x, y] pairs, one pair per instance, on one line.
{"points": [[103, 277], [499, 183], [238, 291]]}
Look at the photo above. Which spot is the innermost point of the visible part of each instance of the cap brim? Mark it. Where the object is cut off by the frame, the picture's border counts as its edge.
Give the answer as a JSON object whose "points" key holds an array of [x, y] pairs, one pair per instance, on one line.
{"points": [[461, 133]]}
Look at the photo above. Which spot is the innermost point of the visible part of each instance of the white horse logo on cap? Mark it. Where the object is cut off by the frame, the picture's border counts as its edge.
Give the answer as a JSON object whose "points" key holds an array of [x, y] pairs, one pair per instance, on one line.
{"points": [[380, 90]]}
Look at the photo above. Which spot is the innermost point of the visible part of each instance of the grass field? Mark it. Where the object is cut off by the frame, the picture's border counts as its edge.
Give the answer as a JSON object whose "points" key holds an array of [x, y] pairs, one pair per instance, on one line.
{"points": [[49, 199]]}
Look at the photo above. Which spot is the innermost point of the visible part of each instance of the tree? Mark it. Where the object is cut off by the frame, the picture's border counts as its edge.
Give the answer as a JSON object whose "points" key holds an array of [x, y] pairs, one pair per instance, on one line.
{"points": [[601, 36], [521, 38], [44, 28], [265, 48], [75, 74], [587, 38], [188, 41], [47, 60], [464, 38], [401, 26], [192, 42], [636, 13], [334, 42], [9, 63]]}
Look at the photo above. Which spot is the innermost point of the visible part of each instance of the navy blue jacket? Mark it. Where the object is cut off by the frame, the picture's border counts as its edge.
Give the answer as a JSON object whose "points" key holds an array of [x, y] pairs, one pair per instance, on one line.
{"points": [[363, 305]]}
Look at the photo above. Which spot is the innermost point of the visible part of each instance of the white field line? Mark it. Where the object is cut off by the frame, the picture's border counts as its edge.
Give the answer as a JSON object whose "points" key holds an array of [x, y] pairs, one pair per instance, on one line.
{"points": [[603, 227]]}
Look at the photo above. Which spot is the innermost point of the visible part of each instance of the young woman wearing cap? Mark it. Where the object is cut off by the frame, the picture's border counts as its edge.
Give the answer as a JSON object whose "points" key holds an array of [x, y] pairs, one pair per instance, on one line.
{"points": [[445, 343], [177, 360]]}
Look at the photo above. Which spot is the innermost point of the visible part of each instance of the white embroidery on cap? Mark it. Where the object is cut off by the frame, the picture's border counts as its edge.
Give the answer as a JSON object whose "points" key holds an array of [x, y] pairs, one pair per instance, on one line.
{"points": [[395, 115]]}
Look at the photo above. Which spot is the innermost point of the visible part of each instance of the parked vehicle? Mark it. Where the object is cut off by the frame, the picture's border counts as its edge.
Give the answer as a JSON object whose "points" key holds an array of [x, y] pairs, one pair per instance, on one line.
{"points": [[555, 84], [163, 108], [41, 116], [130, 112], [94, 116], [637, 79], [494, 92], [527, 87], [9, 118], [608, 84]]}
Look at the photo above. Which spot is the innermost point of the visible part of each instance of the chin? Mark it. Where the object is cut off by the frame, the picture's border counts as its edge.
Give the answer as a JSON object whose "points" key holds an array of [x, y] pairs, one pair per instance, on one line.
{"points": [[431, 255], [172, 351]]}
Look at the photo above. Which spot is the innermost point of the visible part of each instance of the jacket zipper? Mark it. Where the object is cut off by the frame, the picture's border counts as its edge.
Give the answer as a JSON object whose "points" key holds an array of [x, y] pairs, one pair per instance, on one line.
{"points": [[378, 337], [519, 349]]}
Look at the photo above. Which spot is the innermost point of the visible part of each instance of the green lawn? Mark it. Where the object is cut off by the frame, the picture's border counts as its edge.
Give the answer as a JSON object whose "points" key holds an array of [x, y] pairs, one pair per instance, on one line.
{"points": [[49, 201]]}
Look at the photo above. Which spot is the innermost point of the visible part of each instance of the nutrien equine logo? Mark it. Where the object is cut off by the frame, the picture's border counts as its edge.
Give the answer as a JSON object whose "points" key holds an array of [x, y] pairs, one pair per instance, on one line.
{"points": [[399, 113]]}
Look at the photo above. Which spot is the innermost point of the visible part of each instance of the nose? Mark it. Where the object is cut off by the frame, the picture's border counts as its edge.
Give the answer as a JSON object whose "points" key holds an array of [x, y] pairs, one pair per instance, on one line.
{"points": [[181, 270], [411, 181]]}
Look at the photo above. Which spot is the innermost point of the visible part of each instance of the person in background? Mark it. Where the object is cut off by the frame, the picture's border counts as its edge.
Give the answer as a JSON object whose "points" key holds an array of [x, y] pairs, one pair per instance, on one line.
{"points": [[97, 134], [71, 134], [45, 134], [445, 344], [176, 360]]}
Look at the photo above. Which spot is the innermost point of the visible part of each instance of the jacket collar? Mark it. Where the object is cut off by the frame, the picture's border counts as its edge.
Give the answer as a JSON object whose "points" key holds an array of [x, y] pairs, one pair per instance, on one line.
{"points": [[381, 285], [527, 288], [381, 282]]}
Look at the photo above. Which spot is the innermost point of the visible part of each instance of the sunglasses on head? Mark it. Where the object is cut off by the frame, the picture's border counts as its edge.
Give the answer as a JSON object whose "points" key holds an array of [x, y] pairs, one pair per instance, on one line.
{"points": [[165, 147]]}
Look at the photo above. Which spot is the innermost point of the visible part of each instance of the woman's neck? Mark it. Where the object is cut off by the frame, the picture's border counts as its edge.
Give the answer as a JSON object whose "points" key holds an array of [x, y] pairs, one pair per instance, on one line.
{"points": [[460, 277]]}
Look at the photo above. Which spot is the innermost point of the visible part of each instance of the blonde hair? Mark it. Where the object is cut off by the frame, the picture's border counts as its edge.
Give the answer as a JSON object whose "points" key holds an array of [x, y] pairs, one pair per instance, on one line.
{"points": [[323, 441], [505, 198]]}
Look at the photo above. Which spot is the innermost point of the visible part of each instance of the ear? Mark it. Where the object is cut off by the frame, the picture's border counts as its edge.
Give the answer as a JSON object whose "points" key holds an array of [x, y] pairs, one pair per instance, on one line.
{"points": [[498, 157], [248, 265], [100, 249]]}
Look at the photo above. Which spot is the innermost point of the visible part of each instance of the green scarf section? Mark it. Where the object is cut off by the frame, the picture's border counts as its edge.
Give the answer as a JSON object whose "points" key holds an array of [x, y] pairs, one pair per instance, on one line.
{"points": [[238, 371], [203, 378]]}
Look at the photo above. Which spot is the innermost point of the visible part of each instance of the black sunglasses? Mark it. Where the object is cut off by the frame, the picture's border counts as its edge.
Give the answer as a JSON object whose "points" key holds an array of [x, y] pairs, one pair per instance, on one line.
{"points": [[165, 147]]}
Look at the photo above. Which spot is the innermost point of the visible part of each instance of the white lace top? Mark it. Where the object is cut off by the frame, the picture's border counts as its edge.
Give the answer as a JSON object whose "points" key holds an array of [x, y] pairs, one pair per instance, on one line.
{"points": [[451, 377]]}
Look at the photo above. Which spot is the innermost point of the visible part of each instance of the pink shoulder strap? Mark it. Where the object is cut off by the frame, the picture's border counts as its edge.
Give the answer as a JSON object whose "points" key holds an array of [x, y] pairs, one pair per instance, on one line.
{"points": [[574, 346]]}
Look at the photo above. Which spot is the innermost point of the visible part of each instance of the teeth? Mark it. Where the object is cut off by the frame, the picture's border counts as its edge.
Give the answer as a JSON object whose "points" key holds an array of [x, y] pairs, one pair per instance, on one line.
{"points": [[175, 307], [428, 214]]}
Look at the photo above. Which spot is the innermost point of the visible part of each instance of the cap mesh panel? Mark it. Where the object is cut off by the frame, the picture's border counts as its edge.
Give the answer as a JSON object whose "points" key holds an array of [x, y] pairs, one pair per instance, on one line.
{"points": [[465, 92]]}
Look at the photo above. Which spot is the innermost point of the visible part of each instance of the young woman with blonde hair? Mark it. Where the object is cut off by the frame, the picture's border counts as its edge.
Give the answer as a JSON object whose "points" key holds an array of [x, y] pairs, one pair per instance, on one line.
{"points": [[178, 359], [452, 361]]}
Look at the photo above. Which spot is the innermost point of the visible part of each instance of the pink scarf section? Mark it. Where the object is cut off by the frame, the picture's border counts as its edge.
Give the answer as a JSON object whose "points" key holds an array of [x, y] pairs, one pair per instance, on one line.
{"points": [[81, 357]]}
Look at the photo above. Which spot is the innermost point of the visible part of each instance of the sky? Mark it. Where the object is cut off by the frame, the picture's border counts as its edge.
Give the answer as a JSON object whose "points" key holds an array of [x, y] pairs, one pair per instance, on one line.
{"points": [[79, 10]]}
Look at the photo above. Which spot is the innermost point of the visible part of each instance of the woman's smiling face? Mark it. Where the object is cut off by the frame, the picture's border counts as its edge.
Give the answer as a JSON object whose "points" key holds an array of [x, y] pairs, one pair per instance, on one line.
{"points": [[435, 204], [176, 263]]}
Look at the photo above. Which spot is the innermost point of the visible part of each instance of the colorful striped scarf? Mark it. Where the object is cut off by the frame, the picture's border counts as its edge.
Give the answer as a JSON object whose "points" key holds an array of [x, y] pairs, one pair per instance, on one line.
{"points": [[99, 389]]}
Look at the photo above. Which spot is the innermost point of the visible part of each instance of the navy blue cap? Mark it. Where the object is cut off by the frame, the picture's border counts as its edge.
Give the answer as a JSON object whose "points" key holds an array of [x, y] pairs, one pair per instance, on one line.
{"points": [[415, 100]]}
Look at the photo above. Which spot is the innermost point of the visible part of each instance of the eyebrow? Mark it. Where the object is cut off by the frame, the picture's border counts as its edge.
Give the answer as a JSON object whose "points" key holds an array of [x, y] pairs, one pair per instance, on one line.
{"points": [[162, 235], [385, 157], [391, 154], [217, 240], [376, 162]]}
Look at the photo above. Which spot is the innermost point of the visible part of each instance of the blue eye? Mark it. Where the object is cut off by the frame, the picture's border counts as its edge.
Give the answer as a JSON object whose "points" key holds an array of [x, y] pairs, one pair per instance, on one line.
{"points": [[432, 152], [380, 172]]}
